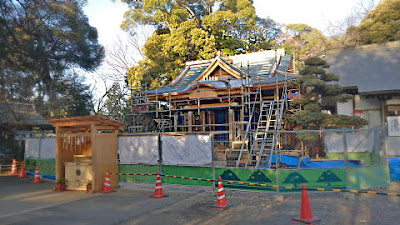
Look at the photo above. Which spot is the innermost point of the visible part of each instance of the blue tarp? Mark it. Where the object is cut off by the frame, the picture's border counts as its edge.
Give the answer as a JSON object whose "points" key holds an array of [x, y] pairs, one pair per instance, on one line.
{"points": [[394, 168], [292, 161], [307, 163], [41, 175]]}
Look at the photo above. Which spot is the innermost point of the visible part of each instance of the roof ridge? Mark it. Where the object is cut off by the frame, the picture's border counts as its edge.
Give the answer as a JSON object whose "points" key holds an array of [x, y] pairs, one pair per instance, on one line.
{"points": [[390, 44]]}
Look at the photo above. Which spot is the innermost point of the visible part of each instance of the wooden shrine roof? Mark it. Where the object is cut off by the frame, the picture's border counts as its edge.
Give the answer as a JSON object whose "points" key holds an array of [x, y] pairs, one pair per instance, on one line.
{"points": [[86, 121], [258, 67]]}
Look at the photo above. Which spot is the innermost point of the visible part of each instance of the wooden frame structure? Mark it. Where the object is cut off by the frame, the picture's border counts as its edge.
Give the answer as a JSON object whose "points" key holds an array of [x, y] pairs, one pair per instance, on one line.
{"points": [[86, 147], [240, 97], [203, 89]]}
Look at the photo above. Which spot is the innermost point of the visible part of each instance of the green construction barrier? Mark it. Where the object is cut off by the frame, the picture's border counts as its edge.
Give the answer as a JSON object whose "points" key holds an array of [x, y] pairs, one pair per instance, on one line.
{"points": [[365, 157], [323, 178], [123, 168], [334, 178], [359, 177], [186, 171], [369, 176], [46, 166]]}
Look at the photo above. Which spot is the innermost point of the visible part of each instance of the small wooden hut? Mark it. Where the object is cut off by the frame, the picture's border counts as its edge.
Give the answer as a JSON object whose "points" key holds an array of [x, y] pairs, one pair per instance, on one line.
{"points": [[86, 147]]}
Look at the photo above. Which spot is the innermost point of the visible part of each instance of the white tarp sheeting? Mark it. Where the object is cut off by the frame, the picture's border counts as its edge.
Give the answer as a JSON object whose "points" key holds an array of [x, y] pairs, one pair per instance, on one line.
{"points": [[356, 142], [138, 149], [43, 148], [192, 150]]}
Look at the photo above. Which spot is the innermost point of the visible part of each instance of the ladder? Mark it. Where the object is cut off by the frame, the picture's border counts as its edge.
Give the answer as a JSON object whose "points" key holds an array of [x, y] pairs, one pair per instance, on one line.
{"points": [[259, 134], [249, 116], [275, 135], [266, 133]]}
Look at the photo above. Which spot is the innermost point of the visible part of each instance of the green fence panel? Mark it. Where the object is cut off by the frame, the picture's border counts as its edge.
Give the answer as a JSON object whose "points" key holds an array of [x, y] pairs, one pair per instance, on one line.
{"points": [[368, 176], [188, 171], [46, 166], [246, 175], [365, 157], [360, 177], [324, 178], [123, 168]]}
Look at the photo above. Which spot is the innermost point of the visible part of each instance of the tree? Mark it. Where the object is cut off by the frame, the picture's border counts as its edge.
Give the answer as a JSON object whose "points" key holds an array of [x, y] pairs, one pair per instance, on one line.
{"points": [[40, 40], [320, 93], [381, 24], [73, 96], [187, 30], [116, 104], [343, 33], [303, 41]]}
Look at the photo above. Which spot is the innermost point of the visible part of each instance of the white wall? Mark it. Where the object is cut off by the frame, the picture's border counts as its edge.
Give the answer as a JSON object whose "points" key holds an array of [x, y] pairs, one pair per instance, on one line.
{"points": [[194, 150], [363, 103], [43, 148], [345, 108], [393, 145]]}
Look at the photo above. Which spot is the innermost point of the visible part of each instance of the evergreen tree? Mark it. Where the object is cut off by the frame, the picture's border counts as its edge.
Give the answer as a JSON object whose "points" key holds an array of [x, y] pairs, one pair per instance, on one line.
{"points": [[302, 41], [73, 97], [187, 30], [319, 94], [381, 24], [39, 41]]}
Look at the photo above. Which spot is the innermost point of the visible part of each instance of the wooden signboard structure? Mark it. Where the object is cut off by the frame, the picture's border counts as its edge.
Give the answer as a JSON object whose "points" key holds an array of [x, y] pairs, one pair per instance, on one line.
{"points": [[86, 147]]}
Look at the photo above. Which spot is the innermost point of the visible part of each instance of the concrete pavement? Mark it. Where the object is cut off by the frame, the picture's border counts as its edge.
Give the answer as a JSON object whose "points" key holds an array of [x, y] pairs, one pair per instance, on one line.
{"points": [[25, 203]]}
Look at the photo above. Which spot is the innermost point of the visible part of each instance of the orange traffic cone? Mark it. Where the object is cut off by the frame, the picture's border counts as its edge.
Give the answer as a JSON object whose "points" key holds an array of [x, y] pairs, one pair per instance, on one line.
{"points": [[306, 216], [221, 201], [36, 179], [22, 171], [107, 183], [158, 193], [14, 167]]}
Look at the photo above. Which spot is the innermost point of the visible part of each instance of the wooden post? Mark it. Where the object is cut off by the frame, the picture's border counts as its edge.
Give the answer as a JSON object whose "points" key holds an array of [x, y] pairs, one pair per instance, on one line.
{"points": [[96, 183], [59, 160]]}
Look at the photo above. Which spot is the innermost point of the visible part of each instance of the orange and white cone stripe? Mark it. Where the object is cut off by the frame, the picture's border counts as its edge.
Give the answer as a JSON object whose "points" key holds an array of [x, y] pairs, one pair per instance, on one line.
{"points": [[107, 183], [22, 172], [14, 167], [36, 179], [221, 200], [158, 192]]}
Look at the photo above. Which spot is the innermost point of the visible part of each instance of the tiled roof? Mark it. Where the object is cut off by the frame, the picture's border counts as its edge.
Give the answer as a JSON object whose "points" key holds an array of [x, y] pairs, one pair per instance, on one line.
{"points": [[370, 68], [258, 66], [284, 63]]}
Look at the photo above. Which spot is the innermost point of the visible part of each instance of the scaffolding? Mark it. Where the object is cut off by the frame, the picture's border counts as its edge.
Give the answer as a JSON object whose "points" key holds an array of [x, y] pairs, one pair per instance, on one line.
{"points": [[253, 117]]}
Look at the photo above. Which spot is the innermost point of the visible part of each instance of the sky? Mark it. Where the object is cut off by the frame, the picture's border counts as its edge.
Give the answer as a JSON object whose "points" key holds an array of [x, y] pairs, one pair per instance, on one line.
{"points": [[107, 15]]}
